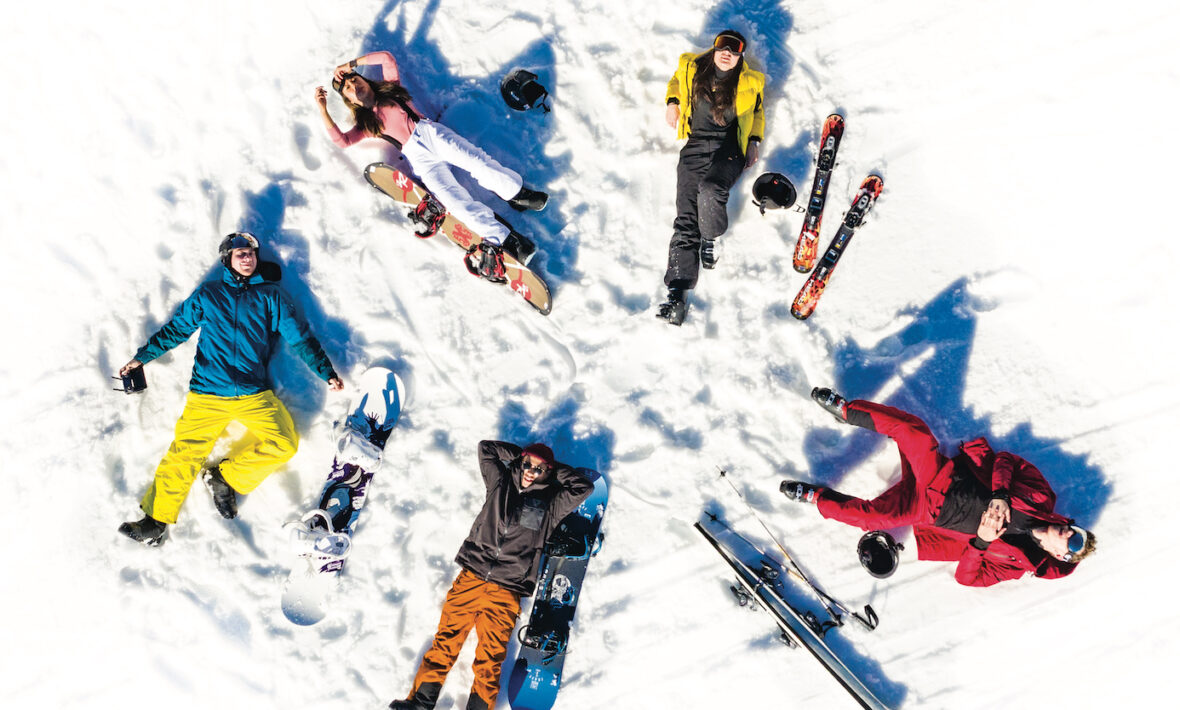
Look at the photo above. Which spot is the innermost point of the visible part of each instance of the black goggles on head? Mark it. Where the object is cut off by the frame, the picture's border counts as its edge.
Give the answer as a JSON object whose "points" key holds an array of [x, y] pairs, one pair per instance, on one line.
{"points": [[338, 84], [729, 42], [242, 240]]}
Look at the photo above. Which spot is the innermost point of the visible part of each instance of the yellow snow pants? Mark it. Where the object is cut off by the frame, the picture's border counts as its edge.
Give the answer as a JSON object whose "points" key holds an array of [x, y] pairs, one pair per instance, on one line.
{"points": [[204, 418]]}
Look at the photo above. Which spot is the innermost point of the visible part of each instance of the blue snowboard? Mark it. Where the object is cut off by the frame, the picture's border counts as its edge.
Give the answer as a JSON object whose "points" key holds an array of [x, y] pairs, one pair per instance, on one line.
{"points": [[536, 673]]}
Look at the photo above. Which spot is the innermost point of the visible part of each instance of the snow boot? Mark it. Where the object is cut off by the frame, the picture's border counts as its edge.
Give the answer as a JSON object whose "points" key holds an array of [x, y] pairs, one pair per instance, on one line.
{"points": [[224, 498], [149, 531], [474, 702], [520, 247], [674, 309], [710, 253], [424, 698], [486, 260], [799, 491], [836, 405], [528, 199]]}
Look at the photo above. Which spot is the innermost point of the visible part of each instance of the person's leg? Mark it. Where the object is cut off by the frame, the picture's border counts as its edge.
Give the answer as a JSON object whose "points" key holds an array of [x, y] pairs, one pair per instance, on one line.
{"points": [[458, 616], [921, 463], [460, 152], [269, 421], [494, 624], [685, 245], [713, 193], [202, 421]]}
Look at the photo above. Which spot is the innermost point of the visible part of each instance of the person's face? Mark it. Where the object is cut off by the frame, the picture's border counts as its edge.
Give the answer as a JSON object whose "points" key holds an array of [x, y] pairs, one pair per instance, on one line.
{"points": [[726, 59], [532, 469], [1055, 540], [244, 261], [357, 91]]}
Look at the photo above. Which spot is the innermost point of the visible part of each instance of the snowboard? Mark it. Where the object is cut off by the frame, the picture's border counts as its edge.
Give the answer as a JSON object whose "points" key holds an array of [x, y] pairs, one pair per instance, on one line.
{"points": [[322, 539], [805, 303], [763, 586], [544, 641], [521, 279], [829, 143]]}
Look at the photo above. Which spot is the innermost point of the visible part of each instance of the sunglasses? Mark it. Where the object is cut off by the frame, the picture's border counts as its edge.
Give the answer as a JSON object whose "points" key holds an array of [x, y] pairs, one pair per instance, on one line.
{"points": [[729, 43], [1075, 544], [338, 84], [538, 467]]}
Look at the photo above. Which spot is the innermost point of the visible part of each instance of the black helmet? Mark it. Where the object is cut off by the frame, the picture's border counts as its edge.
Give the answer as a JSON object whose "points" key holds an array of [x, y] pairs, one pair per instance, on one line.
{"points": [[773, 191], [237, 240], [522, 92], [878, 553]]}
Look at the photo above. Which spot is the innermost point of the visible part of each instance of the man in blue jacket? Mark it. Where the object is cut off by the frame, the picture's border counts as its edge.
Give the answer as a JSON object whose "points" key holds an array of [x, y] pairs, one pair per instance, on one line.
{"points": [[239, 316]]}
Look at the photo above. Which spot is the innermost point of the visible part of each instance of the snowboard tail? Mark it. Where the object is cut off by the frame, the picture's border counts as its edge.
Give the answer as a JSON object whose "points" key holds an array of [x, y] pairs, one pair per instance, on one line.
{"points": [[517, 249]]}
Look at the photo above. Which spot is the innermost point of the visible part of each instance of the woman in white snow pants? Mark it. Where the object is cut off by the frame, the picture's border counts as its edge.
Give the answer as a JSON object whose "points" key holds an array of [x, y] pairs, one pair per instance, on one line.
{"points": [[384, 109]]}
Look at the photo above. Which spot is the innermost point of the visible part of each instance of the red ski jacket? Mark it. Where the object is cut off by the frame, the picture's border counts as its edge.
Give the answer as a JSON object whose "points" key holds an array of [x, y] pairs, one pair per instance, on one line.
{"points": [[1030, 494]]}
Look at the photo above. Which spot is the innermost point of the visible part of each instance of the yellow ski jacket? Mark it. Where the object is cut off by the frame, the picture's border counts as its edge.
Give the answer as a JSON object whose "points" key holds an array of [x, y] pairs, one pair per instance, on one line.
{"points": [[748, 101]]}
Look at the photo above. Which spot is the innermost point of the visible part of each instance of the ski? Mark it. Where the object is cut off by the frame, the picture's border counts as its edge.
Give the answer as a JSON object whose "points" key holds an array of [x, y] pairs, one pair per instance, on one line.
{"points": [[536, 673], [813, 288], [829, 143], [322, 539], [762, 587], [432, 215]]}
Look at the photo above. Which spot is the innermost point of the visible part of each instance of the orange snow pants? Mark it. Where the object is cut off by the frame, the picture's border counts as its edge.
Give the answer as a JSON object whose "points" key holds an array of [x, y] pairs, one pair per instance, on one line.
{"points": [[205, 416], [493, 611]]}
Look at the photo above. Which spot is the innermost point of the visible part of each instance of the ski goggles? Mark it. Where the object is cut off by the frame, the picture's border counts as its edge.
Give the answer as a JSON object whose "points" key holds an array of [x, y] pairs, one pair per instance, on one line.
{"points": [[729, 43], [242, 240], [1076, 543]]}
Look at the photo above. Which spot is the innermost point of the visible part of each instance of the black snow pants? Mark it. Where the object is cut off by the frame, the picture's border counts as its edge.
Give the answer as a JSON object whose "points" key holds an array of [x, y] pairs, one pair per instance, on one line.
{"points": [[708, 168]]}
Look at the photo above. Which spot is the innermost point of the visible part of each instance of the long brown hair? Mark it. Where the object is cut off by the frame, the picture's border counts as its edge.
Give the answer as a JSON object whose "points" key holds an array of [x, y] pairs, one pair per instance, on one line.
{"points": [[385, 93], [722, 94]]}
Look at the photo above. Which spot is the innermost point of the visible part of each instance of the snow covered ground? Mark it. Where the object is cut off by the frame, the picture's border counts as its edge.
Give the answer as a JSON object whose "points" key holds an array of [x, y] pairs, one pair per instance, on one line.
{"points": [[1016, 280]]}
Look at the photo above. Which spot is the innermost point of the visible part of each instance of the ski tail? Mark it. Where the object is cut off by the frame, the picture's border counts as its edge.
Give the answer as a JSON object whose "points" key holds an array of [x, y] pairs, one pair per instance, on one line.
{"points": [[798, 626]]}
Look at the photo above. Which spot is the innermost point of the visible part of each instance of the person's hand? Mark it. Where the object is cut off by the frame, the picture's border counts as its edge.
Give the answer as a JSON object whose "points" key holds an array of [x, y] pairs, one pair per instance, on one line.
{"points": [[1000, 507], [335, 384], [991, 526], [339, 72], [321, 96], [751, 153], [672, 115], [126, 369]]}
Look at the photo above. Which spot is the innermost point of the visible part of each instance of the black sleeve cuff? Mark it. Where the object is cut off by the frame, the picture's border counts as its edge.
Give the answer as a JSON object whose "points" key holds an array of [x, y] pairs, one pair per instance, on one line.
{"points": [[979, 544], [674, 100], [1003, 495]]}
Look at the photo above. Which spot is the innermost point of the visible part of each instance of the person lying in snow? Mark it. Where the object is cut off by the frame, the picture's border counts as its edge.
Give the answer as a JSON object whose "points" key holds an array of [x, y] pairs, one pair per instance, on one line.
{"points": [[528, 495], [239, 315], [383, 109], [992, 512], [715, 100]]}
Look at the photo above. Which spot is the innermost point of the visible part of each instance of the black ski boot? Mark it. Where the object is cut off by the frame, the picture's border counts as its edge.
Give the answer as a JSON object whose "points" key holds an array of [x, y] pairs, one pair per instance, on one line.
{"points": [[799, 491], [474, 702], [424, 698], [710, 253], [149, 531], [520, 247], [528, 199], [834, 403], [224, 498], [675, 308]]}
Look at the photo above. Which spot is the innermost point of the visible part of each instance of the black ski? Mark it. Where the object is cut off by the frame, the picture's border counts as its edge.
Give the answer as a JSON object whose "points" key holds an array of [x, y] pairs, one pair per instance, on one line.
{"points": [[799, 628]]}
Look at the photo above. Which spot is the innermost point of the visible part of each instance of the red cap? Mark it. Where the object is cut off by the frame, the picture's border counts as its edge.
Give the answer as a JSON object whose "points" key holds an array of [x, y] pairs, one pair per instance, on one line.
{"points": [[540, 451]]}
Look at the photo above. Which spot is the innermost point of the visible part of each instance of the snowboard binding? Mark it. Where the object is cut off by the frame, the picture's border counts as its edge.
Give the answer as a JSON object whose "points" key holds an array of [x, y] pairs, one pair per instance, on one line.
{"points": [[486, 260], [313, 539], [429, 213]]}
